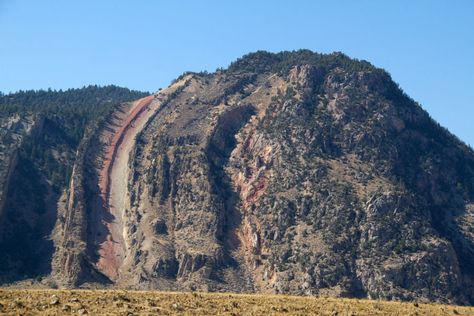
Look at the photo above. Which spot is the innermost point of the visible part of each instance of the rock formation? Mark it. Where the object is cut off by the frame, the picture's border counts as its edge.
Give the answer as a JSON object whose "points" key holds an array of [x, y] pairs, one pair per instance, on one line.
{"points": [[293, 173]]}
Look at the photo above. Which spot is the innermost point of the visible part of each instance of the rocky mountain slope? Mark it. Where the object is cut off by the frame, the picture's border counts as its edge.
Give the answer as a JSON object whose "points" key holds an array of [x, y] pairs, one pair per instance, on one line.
{"points": [[292, 173], [40, 133]]}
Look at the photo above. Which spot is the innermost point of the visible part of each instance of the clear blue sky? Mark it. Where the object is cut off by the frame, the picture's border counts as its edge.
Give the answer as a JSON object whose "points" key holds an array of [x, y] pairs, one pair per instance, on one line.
{"points": [[427, 46]]}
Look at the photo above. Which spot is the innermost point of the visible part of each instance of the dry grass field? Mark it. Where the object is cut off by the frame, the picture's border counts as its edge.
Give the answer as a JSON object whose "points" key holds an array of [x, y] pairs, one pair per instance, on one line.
{"points": [[118, 302]]}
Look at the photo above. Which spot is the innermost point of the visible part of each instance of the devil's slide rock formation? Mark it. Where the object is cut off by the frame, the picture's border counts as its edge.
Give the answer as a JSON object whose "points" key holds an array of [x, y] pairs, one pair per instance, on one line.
{"points": [[285, 173]]}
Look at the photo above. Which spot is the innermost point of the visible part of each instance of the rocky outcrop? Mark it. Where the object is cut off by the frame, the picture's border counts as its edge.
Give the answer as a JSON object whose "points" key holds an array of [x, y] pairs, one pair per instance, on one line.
{"points": [[69, 260]]}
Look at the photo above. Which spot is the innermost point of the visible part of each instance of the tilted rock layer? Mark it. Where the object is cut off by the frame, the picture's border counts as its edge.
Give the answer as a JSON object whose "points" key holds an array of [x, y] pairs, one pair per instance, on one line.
{"points": [[285, 173]]}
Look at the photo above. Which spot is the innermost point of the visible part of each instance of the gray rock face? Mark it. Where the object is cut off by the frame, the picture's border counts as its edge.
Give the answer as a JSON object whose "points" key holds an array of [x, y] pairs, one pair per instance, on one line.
{"points": [[287, 173]]}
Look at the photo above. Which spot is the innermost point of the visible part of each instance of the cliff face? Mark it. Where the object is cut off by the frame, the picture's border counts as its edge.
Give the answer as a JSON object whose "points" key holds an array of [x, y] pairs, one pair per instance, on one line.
{"points": [[286, 173], [13, 130]]}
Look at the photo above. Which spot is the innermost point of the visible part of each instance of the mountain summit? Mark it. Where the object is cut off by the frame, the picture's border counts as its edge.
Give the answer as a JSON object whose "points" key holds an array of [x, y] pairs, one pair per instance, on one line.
{"points": [[293, 172]]}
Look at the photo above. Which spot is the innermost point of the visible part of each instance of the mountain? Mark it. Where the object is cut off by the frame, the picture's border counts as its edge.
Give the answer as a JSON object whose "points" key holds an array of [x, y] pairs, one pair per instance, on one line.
{"points": [[293, 172]]}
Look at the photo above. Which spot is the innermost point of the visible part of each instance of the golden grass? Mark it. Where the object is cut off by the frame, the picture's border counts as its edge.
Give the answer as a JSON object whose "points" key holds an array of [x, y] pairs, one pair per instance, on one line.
{"points": [[119, 302]]}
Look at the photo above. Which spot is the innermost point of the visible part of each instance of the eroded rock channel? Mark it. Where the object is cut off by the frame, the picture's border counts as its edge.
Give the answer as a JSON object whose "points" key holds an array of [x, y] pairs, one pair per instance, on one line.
{"points": [[113, 184]]}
